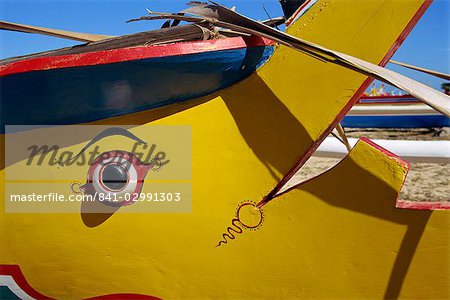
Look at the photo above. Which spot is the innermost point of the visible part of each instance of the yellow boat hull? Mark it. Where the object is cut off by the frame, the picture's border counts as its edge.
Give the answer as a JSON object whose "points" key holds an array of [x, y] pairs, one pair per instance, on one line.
{"points": [[337, 236]]}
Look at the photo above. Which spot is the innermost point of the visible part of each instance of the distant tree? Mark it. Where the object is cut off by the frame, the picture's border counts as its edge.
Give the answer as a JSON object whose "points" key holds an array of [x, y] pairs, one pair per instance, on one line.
{"points": [[446, 87]]}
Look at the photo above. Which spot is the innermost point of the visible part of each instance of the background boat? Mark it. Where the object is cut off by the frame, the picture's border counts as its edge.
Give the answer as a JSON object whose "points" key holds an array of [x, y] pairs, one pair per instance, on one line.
{"points": [[390, 111]]}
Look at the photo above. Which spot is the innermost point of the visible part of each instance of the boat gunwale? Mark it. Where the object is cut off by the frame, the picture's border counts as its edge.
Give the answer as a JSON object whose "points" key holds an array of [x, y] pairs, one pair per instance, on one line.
{"points": [[125, 54]]}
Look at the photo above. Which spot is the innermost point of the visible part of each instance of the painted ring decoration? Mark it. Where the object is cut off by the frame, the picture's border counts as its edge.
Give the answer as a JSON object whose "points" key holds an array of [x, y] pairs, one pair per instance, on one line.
{"points": [[249, 216], [75, 187]]}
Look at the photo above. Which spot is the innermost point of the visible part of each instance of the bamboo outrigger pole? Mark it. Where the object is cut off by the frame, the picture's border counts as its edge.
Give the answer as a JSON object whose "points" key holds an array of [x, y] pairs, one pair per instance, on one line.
{"points": [[423, 70], [71, 35]]}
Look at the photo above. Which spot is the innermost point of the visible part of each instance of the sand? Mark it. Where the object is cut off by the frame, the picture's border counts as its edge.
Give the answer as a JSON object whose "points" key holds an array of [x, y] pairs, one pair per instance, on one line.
{"points": [[425, 182]]}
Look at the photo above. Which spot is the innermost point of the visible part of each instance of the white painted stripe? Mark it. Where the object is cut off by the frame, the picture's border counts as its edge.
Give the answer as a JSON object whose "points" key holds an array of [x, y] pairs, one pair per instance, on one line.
{"points": [[411, 151], [395, 110], [8, 281], [300, 12]]}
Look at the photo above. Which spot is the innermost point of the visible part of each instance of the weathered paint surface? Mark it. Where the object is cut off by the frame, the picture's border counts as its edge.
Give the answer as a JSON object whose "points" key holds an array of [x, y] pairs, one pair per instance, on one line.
{"points": [[336, 236]]}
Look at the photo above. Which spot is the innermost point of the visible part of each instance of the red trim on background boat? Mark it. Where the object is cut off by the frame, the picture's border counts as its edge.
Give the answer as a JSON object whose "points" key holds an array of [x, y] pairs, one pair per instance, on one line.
{"points": [[131, 53], [387, 97], [389, 102], [272, 194], [403, 204], [15, 272]]}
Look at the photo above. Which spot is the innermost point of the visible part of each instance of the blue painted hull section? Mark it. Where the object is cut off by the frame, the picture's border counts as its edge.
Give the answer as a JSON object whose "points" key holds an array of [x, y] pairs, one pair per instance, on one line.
{"points": [[405, 121], [83, 94]]}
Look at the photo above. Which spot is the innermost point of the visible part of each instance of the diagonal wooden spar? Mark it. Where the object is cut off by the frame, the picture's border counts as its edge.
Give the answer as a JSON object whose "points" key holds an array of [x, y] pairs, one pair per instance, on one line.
{"points": [[423, 70], [339, 133], [77, 36], [219, 15], [435, 99]]}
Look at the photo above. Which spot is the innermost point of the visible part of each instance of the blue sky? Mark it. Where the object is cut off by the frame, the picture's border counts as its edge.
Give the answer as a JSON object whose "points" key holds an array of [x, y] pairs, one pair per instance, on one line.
{"points": [[427, 45]]}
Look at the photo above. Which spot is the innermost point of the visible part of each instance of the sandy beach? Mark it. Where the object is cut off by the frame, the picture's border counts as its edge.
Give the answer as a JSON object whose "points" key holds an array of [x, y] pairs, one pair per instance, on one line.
{"points": [[425, 182]]}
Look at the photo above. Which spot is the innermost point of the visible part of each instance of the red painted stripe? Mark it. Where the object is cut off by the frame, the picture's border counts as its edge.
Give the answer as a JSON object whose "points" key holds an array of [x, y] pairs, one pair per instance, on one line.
{"points": [[124, 297], [131, 53], [364, 140], [406, 31], [347, 108], [383, 63], [423, 205], [386, 152], [17, 275], [292, 18], [393, 156], [15, 272]]}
